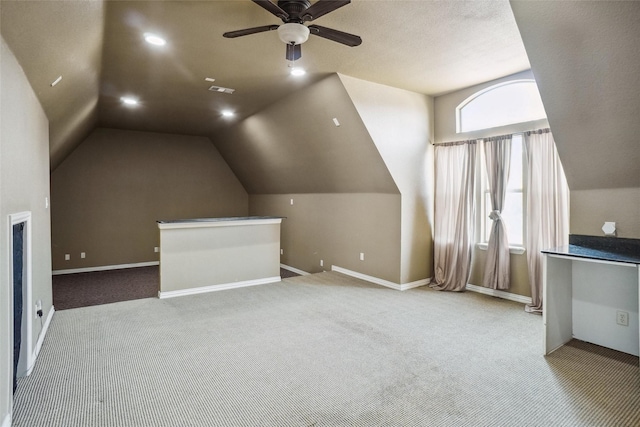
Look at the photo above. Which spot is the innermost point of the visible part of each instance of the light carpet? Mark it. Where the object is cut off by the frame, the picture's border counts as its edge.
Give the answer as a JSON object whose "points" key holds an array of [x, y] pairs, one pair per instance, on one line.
{"points": [[320, 350]]}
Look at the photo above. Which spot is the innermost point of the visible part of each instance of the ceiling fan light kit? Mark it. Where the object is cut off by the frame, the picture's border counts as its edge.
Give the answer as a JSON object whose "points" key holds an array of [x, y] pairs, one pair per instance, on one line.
{"points": [[293, 32]]}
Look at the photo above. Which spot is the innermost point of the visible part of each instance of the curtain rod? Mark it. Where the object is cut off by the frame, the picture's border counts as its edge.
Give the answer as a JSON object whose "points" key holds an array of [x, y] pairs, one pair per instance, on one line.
{"points": [[451, 144], [473, 141]]}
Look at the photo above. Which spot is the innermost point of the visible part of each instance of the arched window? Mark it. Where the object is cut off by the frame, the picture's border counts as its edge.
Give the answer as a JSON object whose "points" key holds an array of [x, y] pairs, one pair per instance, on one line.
{"points": [[506, 103]]}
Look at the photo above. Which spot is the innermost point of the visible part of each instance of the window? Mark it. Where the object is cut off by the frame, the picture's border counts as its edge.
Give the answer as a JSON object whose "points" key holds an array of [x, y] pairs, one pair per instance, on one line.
{"points": [[513, 209], [516, 101]]}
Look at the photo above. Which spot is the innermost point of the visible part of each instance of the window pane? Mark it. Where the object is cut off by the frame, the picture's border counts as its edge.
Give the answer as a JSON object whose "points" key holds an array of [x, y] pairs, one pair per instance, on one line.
{"points": [[504, 104], [512, 216]]}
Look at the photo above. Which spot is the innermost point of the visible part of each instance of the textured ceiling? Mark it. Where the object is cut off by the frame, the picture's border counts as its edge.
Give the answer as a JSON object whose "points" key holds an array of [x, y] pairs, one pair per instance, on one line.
{"points": [[429, 47]]}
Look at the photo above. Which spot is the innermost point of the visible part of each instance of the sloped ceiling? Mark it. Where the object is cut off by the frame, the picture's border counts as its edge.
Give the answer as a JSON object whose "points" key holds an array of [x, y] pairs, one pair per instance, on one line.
{"points": [[288, 149], [585, 57], [429, 47], [52, 39]]}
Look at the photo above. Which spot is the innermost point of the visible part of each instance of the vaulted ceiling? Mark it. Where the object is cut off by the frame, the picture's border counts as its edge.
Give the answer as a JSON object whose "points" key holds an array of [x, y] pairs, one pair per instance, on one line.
{"points": [[98, 48], [584, 56]]}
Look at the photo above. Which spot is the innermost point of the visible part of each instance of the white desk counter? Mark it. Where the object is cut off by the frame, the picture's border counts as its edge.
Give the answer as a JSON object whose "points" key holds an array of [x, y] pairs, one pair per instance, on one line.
{"points": [[210, 254], [587, 288]]}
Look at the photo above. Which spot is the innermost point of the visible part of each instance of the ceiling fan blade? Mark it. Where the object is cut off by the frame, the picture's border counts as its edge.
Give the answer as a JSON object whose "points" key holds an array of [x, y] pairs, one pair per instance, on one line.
{"points": [[335, 35], [247, 31], [322, 7], [294, 52], [272, 8]]}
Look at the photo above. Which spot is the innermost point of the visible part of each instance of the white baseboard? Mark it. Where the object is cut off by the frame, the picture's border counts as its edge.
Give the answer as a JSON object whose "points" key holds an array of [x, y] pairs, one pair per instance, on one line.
{"points": [[500, 294], [41, 336], [294, 270], [105, 267], [221, 287], [382, 282], [7, 420]]}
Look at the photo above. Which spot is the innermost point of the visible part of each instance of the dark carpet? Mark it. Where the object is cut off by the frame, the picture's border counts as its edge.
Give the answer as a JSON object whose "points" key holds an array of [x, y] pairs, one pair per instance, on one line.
{"points": [[105, 287]]}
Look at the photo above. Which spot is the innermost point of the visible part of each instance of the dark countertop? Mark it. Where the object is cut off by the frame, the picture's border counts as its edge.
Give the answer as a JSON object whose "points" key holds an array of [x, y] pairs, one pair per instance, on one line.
{"points": [[231, 218], [615, 249]]}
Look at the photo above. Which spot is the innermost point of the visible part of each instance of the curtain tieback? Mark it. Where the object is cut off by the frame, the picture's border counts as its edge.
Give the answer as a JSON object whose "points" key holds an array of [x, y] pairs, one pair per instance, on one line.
{"points": [[495, 216]]}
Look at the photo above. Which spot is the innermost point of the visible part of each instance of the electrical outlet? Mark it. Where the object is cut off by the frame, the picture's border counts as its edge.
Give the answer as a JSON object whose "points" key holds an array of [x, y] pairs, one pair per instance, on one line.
{"points": [[281, 251], [67, 257], [156, 249], [321, 263], [291, 202], [83, 255], [622, 318], [361, 256]]}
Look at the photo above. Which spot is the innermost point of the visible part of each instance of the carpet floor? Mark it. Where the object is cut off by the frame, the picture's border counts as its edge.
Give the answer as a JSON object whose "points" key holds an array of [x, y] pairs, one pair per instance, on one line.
{"points": [[320, 350]]}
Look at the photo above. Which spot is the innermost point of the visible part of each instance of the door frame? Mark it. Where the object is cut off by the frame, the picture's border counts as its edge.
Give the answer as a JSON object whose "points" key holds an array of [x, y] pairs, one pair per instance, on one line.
{"points": [[27, 296]]}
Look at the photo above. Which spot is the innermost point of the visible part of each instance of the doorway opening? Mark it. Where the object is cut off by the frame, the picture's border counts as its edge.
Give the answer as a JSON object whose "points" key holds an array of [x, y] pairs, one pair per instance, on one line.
{"points": [[22, 304]]}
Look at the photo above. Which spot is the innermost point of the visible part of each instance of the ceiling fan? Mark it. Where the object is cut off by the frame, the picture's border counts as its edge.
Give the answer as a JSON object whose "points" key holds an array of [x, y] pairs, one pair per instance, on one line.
{"points": [[293, 32]]}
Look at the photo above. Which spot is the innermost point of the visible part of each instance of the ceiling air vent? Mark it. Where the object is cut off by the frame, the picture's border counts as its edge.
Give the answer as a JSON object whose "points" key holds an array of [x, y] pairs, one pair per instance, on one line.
{"points": [[221, 89]]}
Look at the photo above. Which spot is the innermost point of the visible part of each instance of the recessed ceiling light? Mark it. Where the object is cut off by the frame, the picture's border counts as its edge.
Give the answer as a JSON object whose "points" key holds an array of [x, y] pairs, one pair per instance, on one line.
{"points": [[227, 113], [297, 71], [154, 39], [128, 100]]}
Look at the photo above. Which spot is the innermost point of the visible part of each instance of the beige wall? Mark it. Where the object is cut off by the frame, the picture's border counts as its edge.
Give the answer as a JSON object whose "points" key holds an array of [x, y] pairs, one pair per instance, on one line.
{"points": [[346, 172], [591, 208], [345, 198], [445, 126], [24, 185], [336, 228], [108, 194], [401, 126]]}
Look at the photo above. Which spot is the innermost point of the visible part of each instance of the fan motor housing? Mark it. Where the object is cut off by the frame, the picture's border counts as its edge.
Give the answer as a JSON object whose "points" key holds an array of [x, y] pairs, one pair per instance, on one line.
{"points": [[294, 8]]}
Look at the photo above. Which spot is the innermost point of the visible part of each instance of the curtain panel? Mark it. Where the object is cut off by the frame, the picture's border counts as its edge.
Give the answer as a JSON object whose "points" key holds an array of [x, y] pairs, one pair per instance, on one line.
{"points": [[498, 160], [455, 171], [547, 207]]}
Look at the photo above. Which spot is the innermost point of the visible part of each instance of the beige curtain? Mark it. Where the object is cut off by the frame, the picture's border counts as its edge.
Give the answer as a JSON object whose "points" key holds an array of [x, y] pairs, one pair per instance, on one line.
{"points": [[454, 214], [547, 207], [498, 160]]}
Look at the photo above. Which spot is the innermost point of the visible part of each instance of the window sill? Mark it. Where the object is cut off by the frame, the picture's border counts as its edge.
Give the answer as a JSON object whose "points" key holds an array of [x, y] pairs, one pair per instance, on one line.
{"points": [[518, 250]]}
